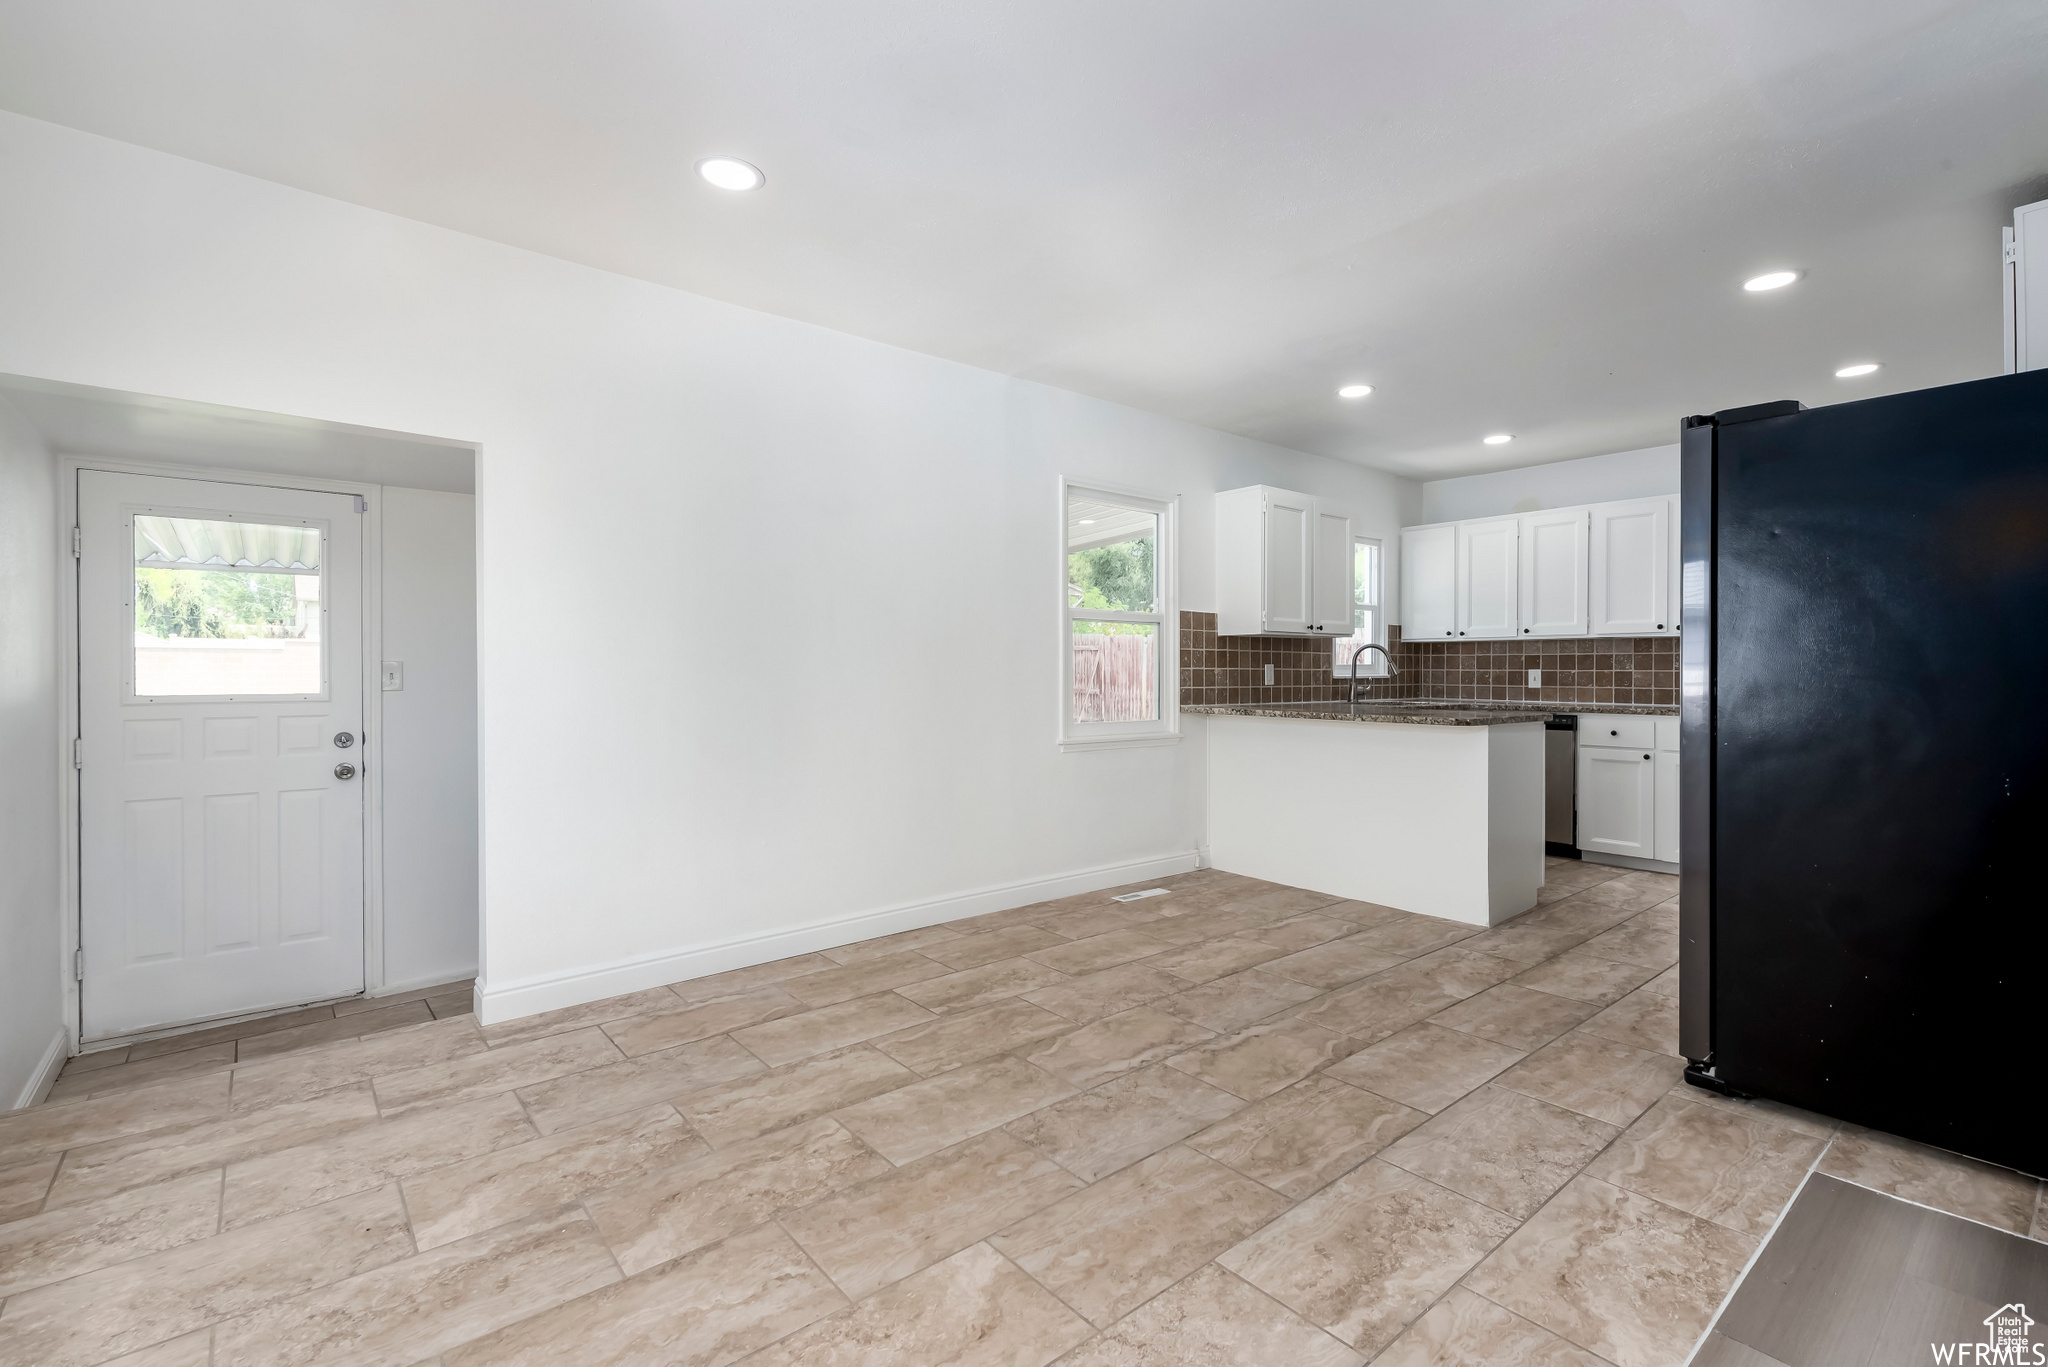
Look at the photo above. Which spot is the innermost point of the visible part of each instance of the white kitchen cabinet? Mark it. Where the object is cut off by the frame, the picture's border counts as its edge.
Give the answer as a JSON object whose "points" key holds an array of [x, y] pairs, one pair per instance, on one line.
{"points": [[2026, 288], [1617, 800], [1630, 564], [1667, 806], [1288, 550], [1667, 789], [1429, 582], [1555, 561], [1330, 577], [1283, 564], [1489, 568], [1602, 569]]}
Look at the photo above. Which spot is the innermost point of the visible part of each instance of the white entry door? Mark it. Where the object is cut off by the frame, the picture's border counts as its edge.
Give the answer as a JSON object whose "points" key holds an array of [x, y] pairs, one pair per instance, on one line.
{"points": [[220, 719]]}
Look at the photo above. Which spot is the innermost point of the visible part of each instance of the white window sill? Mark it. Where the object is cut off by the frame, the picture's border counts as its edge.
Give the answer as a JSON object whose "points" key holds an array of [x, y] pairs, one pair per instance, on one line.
{"points": [[1118, 742]]}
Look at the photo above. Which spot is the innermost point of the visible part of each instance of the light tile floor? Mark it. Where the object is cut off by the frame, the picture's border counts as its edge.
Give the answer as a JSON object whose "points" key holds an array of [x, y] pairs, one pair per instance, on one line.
{"points": [[1241, 1123]]}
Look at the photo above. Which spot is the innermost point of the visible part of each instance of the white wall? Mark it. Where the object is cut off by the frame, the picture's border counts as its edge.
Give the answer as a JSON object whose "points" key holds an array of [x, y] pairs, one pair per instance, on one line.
{"points": [[429, 742], [31, 1000], [1561, 484], [769, 614]]}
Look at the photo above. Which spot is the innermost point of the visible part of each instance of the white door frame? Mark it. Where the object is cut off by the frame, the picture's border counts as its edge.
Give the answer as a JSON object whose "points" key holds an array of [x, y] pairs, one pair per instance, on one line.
{"points": [[72, 914]]}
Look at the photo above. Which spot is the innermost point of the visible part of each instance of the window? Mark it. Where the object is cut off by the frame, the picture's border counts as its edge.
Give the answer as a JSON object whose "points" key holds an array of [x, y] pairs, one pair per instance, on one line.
{"points": [[1119, 646], [226, 609], [1368, 622]]}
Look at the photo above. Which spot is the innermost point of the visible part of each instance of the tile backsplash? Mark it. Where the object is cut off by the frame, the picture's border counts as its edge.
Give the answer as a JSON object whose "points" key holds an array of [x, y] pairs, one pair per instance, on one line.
{"points": [[1579, 671]]}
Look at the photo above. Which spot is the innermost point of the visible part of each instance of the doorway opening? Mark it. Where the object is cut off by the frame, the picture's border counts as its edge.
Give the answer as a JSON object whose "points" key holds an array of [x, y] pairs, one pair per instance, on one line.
{"points": [[269, 635]]}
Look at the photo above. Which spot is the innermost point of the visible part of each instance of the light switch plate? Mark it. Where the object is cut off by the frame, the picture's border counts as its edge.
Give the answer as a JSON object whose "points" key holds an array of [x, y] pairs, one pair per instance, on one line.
{"points": [[1269, 676], [1535, 678], [394, 676]]}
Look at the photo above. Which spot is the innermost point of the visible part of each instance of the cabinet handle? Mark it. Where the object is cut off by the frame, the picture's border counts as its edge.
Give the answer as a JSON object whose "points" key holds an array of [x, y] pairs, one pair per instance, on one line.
{"points": [[1525, 631], [1645, 756], [1461, 633], [1660, 626]]}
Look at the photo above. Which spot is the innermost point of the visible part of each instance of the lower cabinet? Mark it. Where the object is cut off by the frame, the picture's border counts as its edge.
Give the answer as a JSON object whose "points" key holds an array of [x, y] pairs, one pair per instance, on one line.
{"points": [[1628, 785], [1667, 806], [1617, 800]]}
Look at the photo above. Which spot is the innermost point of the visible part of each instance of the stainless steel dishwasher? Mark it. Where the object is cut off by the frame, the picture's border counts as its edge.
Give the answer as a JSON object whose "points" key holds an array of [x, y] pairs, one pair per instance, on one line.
{"points": [[1560, 786]]}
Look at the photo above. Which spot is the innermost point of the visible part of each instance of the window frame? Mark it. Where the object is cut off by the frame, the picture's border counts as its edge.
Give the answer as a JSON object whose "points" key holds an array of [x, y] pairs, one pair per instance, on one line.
{"points": [[1105, 735], [1341, 647]]}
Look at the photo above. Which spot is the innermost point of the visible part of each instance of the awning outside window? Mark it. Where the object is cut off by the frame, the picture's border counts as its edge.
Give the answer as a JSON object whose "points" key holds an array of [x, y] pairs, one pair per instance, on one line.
{"points": [[1091, 523], [184, 543]]}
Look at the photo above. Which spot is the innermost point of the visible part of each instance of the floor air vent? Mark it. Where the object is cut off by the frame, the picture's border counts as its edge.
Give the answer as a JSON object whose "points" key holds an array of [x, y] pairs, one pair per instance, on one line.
{"points": [[1134, 896]]}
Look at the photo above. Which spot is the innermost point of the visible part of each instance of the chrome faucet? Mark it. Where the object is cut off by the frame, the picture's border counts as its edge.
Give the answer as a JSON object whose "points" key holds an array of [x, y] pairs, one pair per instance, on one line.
{"points": [[1393, 670]]}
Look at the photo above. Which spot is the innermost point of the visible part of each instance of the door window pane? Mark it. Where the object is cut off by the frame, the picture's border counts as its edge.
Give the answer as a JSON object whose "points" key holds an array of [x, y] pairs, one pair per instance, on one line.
{"points": [[1112, 557], [226, 609], [1116, 671]]}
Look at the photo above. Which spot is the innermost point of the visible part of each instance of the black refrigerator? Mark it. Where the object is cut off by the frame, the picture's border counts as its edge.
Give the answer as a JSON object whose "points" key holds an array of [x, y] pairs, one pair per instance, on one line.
{"points": [[1864, 760]]}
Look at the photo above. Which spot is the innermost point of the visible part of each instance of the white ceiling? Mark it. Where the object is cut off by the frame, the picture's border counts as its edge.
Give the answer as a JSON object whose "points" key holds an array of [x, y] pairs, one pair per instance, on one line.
{"points": [[1518, 215]]}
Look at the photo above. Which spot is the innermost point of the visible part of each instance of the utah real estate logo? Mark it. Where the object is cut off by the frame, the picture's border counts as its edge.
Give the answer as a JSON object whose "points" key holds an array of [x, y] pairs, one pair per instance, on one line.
{"points": [[2006, 1341]]}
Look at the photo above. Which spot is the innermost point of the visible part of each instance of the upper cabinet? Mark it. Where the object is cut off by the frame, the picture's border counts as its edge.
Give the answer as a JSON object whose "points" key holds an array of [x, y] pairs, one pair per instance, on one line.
{"points": [[1606, 569], [1331, 582], [1283, 564], [1429, 582], [1555, 558], [1631, 567], [1488, 568]]}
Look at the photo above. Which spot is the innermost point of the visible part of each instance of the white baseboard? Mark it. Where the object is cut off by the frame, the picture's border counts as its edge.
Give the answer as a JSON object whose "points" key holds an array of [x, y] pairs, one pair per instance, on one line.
{"points": [[45, 1075], [496, 1002]]}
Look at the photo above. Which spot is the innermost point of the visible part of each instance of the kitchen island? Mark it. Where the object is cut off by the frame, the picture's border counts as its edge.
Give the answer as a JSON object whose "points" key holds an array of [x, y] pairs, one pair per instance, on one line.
{"points": [[1434, 808]]}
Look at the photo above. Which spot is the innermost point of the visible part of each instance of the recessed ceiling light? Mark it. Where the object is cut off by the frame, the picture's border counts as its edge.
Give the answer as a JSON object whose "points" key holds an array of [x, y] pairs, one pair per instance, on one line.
{"points": [[730, 173], [1850, 372], [1770, 280], [1499, 439], [1354, 391]]}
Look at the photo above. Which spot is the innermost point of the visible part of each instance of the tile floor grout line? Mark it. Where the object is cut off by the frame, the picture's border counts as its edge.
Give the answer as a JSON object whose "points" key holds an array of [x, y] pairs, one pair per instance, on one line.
{"points": [[777, 1220], [1526, 1320], [1953, 1214], [1758, 1252], [411, 1234], [582, 1203], [520, 1102], [1093, 1328]]}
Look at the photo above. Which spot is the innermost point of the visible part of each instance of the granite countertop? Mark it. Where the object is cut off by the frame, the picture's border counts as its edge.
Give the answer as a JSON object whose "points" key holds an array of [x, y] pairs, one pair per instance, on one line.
{"points": [[1428, 712], [1408, 714], [1591, 709]]}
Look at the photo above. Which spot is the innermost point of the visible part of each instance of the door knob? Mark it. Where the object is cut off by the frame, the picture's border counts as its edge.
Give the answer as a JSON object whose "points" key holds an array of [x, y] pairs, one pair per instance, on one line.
{"points": [[344, 771], [344, 739]]}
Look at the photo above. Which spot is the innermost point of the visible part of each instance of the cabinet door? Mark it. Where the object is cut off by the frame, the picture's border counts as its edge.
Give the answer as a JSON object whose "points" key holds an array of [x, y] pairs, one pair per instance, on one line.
{"points": [[1429, 582], [1290, 534], [1554, 567], [1667, 805], [1330, 613], [1617, 801], [1674, 585], [1488, 568], [1631, 565]]}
